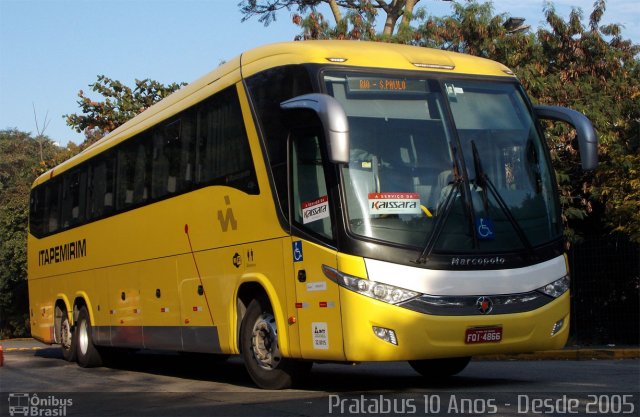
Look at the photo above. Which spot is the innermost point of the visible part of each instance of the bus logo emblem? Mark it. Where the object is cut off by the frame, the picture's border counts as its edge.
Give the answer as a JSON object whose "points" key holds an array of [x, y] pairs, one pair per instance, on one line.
{"points": [[228, 218], [484, 305]]}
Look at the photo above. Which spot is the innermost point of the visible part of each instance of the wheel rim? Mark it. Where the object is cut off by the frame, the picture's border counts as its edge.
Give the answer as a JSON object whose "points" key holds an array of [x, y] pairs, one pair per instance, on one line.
{"points": [[83, 337], [65, 335], [264, 342]]}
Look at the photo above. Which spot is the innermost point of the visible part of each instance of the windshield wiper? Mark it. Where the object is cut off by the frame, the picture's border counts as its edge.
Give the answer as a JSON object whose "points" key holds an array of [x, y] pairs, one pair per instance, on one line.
{"points": [[482, 180], [446, 210]]}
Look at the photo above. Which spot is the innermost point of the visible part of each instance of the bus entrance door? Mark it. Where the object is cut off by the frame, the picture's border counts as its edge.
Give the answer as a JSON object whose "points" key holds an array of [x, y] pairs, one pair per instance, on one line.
{"points": [[317, 302]]}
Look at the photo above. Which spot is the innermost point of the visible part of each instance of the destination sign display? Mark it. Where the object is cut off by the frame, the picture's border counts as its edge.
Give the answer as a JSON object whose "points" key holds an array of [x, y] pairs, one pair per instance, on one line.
{"points": [[385, 84]]}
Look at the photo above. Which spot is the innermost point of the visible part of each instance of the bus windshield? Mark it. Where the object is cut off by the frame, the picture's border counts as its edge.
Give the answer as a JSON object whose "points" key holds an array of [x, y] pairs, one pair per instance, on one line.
{"points": [[456, 162]]}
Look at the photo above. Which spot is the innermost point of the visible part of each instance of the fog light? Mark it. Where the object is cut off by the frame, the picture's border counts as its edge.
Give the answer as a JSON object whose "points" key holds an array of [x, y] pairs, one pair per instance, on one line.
{"points": [[387, 335], [556, 327]]}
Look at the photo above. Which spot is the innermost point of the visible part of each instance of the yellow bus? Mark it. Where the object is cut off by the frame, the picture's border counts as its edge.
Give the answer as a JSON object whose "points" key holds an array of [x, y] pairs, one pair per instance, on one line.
{"points": [[307, 202]]}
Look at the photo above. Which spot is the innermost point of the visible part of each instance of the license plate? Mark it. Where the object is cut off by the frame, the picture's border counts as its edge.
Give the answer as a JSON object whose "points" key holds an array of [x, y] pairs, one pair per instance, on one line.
{"points": [[483, 335]]}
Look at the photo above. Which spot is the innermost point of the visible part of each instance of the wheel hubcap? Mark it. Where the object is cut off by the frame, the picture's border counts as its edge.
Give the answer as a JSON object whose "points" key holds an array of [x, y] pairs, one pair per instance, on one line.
{"points": [[264, 342], [83, 337], [65, 335]]}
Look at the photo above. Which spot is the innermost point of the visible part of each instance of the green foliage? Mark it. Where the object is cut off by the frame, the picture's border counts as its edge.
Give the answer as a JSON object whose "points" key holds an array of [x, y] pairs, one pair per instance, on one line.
{"points": [[121, 103], [357, 23], [22, 159], [591, 69], [266, 10]]}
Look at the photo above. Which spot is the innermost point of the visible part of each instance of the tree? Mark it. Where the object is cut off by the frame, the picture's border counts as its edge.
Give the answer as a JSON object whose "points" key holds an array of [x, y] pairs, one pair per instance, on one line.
{"points": [[22, 159], [595, 71], [591, 69], [473, 29], [120, 104], [347, 25]]}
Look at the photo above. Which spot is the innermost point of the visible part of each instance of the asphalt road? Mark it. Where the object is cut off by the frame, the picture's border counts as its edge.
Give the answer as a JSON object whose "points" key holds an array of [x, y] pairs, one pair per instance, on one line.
{"points": [[36, 377]]}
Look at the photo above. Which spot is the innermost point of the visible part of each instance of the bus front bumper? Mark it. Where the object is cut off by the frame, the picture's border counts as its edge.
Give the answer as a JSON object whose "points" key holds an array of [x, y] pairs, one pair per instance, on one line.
{"points": [[423, 336]]}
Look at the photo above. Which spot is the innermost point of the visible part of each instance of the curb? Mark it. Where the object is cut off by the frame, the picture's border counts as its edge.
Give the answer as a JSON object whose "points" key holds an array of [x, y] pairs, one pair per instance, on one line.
{"points": [[567, 354]]}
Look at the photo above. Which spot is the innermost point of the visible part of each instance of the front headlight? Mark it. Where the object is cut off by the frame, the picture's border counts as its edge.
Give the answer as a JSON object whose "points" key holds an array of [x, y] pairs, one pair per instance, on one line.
{"points": [[557, 287], [376, 290]]}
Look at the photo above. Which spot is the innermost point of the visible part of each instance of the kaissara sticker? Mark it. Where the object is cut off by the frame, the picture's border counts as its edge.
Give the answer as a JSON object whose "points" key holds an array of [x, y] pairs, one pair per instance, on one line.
{"points": [[394, 203], [320, 335], [315, 210]]}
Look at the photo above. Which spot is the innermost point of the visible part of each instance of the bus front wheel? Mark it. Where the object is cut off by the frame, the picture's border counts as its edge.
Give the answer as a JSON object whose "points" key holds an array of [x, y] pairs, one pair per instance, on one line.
{"points": [[440, 368], [260, 350], [88, 355]]}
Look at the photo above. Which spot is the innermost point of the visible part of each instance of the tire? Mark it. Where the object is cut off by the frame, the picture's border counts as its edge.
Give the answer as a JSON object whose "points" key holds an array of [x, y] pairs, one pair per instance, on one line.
{"points": [[87, 354], [440, 368], [67, 338], [259, 344]]}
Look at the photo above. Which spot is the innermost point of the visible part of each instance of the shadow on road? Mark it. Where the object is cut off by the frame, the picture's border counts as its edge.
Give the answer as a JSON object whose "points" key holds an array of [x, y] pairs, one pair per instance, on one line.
{"points": [[340, 378]]}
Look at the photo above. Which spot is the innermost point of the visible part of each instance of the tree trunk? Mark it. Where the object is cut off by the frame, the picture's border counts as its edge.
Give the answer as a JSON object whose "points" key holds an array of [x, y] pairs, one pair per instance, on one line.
{"points": [[408, 12], [336, 11], [394, 11]]}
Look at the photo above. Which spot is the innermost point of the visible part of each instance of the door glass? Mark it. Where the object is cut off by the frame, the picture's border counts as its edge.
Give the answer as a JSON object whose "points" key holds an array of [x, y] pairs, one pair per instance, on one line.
{"points": [[310, 198]]}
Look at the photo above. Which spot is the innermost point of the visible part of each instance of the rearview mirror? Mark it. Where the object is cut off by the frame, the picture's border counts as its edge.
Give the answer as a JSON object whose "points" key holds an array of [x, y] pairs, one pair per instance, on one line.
{"points": [[587, 138], [333, 119]]}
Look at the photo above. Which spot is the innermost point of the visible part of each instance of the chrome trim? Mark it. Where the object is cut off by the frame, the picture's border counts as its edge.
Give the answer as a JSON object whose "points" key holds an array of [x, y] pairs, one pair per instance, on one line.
{"points": [[467, 305], [462, 283]]}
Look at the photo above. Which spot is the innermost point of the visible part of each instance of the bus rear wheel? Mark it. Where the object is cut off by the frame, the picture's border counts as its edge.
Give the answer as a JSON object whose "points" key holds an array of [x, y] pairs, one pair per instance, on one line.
{"points": [[67, 341], [260, 350], [440, 368], [88, 355]]}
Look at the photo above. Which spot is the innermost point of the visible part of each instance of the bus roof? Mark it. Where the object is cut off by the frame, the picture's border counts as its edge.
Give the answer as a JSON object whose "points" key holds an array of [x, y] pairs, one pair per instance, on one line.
{"points": [[342, 53]]}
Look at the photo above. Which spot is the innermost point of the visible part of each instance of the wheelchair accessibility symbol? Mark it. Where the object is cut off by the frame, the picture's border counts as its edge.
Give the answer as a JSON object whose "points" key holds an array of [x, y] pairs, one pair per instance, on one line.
{"points": [[297, 251], [484, 228]]}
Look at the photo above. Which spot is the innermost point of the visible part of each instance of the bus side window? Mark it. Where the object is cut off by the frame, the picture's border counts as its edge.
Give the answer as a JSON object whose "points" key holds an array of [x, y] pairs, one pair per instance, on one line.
{"points": [[97, 191], [100, 187], [186, 152], [36, 212], [160, 164], [73, 198], [268, 89], [125, 179], [52, 202], [224, 157], [142, 176]]}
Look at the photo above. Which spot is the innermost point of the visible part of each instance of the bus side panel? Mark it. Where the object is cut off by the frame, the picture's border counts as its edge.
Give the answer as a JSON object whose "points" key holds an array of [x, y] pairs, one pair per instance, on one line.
{"points": [[160, 303], [223, 271], [203, 315], [126, 306], [199, 334], [41, 310], [101, 308], [265, 266]]}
